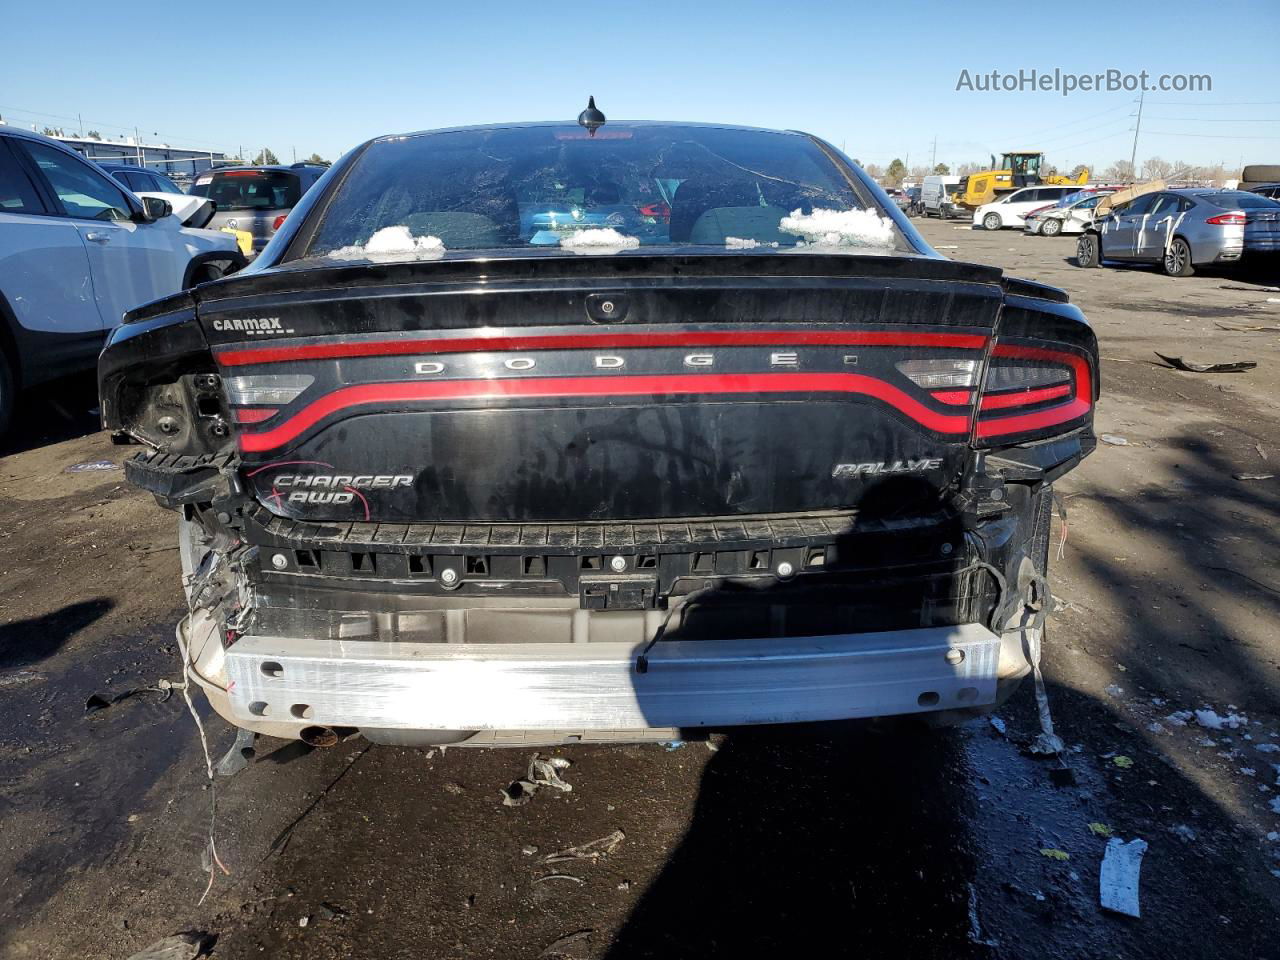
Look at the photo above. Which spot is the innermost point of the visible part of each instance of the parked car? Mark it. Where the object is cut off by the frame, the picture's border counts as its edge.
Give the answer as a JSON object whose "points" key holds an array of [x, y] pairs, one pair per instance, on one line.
{"points": [[252, 202], [1071, 214], [1271, 190], [1009, 210], [1184, 229], [76, 251], [780, 462], [191, 211], [938, 197], [900, 197], [915, 206], [140, 180]]}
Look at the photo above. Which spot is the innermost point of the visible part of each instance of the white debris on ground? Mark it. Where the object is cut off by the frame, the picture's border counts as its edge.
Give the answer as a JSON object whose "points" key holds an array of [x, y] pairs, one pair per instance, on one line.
{"points": [[840, 228], [599, 240], [1179, 718], [1268, 748], [1212, 720], [395, 242]]}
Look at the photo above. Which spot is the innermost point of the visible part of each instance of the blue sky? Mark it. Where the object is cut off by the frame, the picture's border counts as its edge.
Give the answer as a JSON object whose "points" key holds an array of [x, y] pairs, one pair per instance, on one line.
{"points": [[880, 80]]}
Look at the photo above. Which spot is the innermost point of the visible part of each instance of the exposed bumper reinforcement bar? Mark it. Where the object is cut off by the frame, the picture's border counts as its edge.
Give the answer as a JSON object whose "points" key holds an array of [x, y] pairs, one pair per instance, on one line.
{"points": [[594, 686]]}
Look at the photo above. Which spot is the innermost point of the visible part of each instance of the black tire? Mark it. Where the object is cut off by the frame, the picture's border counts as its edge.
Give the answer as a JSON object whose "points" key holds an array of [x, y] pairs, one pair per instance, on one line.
{"points": [[1051, 227], [8, 391], [206, 272], [1261, 173], [1088, 253], [992, 221], [1177, 259]]}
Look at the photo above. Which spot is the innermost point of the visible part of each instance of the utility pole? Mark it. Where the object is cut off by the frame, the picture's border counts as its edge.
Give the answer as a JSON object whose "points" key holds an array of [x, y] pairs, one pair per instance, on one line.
{"points": [[295, 154], [80, 124], [933, 154], [1133, 155]]}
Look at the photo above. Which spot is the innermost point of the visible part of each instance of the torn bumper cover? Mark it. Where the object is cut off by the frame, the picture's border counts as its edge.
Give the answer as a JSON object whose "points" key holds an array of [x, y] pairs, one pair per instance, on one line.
{"points": [[594, 686]]}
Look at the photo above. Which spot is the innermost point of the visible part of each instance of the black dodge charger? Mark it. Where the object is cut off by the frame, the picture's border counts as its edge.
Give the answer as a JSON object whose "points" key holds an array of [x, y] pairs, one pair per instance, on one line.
{"points": [[552, 432]]}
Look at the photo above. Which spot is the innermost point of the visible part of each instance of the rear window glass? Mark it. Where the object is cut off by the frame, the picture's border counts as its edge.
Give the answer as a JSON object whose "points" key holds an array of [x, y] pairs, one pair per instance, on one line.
{"points": [[250, 189], [1239, 200], [557, 189]]}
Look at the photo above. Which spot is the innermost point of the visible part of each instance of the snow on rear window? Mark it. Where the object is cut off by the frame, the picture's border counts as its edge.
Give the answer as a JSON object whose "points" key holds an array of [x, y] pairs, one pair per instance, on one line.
{"points": [[603, 240], [392, 243], [840, 228]]}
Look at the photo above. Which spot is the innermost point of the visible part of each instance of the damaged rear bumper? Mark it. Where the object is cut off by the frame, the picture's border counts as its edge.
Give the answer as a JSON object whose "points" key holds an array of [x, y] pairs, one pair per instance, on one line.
{"points": [[279, 685]]}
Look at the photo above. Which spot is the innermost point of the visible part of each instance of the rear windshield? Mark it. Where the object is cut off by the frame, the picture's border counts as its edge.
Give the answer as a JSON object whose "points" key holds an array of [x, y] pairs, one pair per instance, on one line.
{"points": [[250, 189], [1239, 200], [557, 189]]}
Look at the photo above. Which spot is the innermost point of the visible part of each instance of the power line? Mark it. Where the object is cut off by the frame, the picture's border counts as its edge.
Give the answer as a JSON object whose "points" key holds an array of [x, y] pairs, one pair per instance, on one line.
{"points": [[1207, 136], [1235, 103], [1221, 119], [1093, 116], [111, 126]]}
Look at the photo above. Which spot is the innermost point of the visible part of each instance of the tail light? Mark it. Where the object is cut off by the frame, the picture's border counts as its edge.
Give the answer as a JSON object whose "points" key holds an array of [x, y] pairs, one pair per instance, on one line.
{"points": [[1032, 390], [1228, 220], [279, 222]]}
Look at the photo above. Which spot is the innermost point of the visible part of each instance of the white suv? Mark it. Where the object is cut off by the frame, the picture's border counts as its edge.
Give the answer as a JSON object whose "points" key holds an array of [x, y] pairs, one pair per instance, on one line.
{"points": [[76, 251], [1010, 209]]}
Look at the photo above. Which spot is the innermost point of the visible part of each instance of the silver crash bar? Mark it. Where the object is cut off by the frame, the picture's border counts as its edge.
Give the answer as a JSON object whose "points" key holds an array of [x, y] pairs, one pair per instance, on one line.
{"points": [[539, 686]]}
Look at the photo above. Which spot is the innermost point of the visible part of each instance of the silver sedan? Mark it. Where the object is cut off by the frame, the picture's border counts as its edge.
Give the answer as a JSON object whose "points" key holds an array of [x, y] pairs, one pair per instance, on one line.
{"points": [[1184, 229]]}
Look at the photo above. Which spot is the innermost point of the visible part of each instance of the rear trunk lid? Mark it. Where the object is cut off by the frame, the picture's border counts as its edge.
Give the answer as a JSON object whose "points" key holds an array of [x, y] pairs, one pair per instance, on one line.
{"points": [[554, 390]]}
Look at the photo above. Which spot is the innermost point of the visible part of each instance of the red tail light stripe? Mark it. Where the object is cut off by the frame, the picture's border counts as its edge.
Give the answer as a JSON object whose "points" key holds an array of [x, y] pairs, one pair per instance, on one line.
{"points": [[612, 340], [747, 383], [1024, 398], [1033, 421], [253, 414], [1081, 392]]}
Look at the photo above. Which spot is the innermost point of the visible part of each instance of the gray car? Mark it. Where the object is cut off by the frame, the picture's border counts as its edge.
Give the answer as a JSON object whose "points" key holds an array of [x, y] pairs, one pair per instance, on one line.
{"points": [[1184, 229], [253, 201]]}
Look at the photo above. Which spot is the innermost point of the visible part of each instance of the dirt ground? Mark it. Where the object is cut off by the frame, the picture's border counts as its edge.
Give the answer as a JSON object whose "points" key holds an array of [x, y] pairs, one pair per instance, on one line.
{"points": [[859, 840]]}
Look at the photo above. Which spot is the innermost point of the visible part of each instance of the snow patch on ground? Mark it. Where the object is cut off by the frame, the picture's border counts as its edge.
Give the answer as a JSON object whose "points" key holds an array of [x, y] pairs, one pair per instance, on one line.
{"points": [[1212, 720], [601, 240], [840, 228], [741, 243], [395, 242]]}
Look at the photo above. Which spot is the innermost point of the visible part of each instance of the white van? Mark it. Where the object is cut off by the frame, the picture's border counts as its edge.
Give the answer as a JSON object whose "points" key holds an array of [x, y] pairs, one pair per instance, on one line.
{"points": [[1010, 209], [937, 197]]}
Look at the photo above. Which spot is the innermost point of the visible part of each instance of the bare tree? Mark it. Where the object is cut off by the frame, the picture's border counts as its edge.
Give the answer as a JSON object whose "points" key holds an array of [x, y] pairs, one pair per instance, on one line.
{"points": [[1120, 170], [1156, 169], [874, 171]]}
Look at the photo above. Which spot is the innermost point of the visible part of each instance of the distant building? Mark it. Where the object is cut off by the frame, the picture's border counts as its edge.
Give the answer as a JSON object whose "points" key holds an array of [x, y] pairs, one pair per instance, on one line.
{"points": [[176, 162]]}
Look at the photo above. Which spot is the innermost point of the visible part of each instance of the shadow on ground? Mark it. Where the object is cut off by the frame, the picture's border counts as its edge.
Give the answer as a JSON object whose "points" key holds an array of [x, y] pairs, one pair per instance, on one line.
{"points": [[61, 410], [24, 643]]}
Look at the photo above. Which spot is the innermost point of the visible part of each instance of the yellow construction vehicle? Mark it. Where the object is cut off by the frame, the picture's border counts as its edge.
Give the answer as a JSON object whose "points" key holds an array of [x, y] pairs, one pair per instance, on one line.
{"points": [[1014, 170]]}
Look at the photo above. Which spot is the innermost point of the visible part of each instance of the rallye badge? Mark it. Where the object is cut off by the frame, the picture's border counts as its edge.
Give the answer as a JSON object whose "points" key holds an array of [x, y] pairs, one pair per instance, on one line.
{"points": [[844, 471]]}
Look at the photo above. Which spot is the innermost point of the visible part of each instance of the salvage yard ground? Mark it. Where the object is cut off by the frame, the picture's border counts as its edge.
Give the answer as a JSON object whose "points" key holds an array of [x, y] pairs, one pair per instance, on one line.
{"points": [[863, 840]]}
